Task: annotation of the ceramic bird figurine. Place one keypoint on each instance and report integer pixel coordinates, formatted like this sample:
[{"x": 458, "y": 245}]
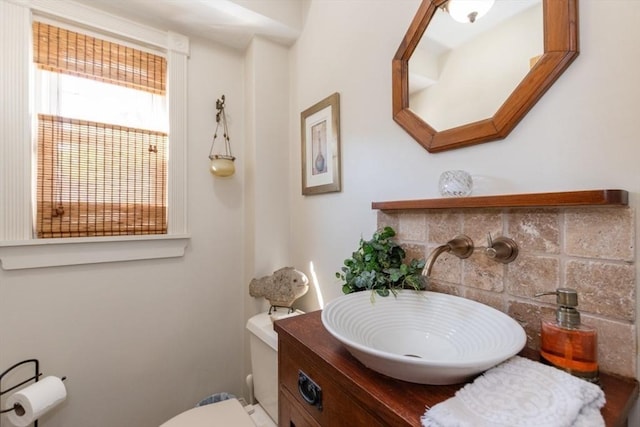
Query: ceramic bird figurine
[{"x": 281, "y": 288}]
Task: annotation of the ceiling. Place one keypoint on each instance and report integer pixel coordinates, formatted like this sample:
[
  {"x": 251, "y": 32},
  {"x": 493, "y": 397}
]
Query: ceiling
[
  {"x": 230, "y": 22},
  {"x": 235, "y": 22}
]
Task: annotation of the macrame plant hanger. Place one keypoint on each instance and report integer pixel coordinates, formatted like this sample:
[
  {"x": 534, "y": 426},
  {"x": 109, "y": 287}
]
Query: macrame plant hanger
[{"x": 221, "y": 164}]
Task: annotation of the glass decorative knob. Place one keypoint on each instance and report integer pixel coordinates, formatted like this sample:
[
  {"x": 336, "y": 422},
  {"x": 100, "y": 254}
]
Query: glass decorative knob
[{"x": 455, "y": 183}]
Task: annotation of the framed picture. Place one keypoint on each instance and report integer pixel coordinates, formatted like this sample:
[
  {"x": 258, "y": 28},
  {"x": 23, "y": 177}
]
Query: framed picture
[{"x": 320, "y": 125}]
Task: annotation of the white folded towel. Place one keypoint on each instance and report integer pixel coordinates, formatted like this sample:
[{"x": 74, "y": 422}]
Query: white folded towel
[{"x": 521, "y": 393}]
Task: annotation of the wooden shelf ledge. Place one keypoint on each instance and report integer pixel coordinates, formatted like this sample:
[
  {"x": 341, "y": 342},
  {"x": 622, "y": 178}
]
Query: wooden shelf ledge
[{"x": 532, "y": 200}]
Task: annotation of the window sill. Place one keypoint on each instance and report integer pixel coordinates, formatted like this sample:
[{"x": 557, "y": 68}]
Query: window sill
[{"x": 76, "y": 251}]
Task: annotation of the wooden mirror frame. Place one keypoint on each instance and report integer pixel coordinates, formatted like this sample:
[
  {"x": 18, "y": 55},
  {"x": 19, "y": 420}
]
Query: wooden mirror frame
[{"x": 560, "y": 19}]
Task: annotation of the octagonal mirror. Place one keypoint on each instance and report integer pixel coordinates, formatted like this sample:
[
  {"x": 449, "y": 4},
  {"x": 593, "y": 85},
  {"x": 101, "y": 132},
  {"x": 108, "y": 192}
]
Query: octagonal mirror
[{"x": 459, "y": 84}]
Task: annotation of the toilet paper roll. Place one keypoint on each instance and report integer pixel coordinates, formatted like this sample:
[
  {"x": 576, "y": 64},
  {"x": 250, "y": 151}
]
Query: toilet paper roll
[{"x": 35, "y": 400}]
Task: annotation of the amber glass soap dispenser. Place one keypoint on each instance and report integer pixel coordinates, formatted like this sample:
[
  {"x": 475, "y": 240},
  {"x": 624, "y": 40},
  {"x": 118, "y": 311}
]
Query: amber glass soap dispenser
[{"x": 565, "y": 342}]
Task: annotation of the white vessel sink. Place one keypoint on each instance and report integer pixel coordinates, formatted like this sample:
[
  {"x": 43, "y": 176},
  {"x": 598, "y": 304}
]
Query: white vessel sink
[{"x": 423, "y": 337}]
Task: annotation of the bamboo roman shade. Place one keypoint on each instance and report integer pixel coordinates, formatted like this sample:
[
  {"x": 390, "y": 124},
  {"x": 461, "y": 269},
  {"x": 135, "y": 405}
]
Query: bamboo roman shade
[
  {"x": 63, "y": 51},
  {"x": 98, "y": 179}
]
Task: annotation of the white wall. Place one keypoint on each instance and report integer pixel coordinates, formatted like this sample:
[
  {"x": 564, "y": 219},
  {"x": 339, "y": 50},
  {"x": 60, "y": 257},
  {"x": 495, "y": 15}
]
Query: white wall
[
  {"x": 142, "y": 341},
  {"x": 582, "y": 134},
  {"x": 266, "y": 191}
]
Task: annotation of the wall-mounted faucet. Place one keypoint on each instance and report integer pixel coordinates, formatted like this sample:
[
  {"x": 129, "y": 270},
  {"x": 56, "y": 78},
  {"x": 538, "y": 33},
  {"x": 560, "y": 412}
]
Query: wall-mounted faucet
[
  {"x": 502, "y": 250},
  {"x": 460, "y": 246}
]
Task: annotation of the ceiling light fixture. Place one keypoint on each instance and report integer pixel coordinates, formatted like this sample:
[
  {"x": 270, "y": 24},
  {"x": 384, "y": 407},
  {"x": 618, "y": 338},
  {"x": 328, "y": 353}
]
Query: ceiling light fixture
[{"x": 468, "y": 11}]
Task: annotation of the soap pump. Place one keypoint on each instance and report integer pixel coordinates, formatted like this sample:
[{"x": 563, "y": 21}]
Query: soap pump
[{"x": 565, "y": 342}]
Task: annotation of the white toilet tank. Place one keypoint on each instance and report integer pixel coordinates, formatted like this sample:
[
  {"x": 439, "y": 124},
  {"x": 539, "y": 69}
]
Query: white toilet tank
[{"x": 263, "y": 346}]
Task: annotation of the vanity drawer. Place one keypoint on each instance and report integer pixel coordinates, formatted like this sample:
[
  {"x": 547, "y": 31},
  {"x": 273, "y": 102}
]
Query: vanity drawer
[
  {"x": 327, "y": 405},
  {"x": 291, "y": 413}
]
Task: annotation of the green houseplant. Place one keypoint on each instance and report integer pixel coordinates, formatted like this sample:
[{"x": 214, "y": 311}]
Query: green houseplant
[{"x": 377, "y": 265}]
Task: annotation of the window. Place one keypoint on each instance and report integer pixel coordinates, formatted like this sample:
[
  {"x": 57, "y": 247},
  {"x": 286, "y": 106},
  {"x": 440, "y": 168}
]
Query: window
[
  {"x": 101, "y": 136},
  {"x": 19, "y": 245}
]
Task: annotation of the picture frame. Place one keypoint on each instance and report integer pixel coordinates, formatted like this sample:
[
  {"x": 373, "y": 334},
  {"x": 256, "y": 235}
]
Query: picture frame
[{"x": 321, "y": 163}]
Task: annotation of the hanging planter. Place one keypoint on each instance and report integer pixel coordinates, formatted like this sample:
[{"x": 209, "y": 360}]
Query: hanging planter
[{"x": 221, "y": 164}]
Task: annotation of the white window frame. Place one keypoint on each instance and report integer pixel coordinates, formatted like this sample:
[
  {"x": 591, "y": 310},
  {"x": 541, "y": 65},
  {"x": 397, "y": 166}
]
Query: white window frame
[{"x": 19, "y": 249}]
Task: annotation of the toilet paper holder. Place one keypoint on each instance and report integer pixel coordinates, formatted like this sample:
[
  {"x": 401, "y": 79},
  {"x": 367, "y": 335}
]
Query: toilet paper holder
[{"x": 35, "y": 377}]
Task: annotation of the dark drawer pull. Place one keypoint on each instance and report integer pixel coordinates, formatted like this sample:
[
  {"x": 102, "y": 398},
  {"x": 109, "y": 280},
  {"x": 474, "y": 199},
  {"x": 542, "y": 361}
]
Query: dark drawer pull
[{"x": 309, "y": 390}]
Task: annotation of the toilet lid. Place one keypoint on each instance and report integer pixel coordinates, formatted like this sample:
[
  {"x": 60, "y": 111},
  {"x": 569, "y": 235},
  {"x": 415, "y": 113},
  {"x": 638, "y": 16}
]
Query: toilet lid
[{"x": 225, "y": 413}]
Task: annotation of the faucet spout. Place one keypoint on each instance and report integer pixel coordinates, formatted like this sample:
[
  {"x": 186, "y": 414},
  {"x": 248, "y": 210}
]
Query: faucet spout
[
  {"x": 460, "y": 246},
  {"x": 433, "y": 256}
]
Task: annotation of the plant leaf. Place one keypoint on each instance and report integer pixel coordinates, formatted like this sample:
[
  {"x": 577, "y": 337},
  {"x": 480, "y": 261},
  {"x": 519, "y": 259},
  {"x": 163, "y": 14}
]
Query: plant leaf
[{"x": 378, "y": 265}]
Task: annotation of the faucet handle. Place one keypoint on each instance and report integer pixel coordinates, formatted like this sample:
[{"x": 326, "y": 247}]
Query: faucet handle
[
  {"x": 502, "y": 249},
  {"x": 461, "y": 246}
]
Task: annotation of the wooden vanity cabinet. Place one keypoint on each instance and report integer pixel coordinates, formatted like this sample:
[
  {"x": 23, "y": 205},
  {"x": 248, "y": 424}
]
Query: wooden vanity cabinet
[
  {"x": 353, "y": 395},
  {"x": 337, "y": 402}
]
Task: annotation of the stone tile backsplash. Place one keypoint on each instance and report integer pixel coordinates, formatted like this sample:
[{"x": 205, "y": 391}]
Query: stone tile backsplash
[{"x": 589, "y": 249}]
